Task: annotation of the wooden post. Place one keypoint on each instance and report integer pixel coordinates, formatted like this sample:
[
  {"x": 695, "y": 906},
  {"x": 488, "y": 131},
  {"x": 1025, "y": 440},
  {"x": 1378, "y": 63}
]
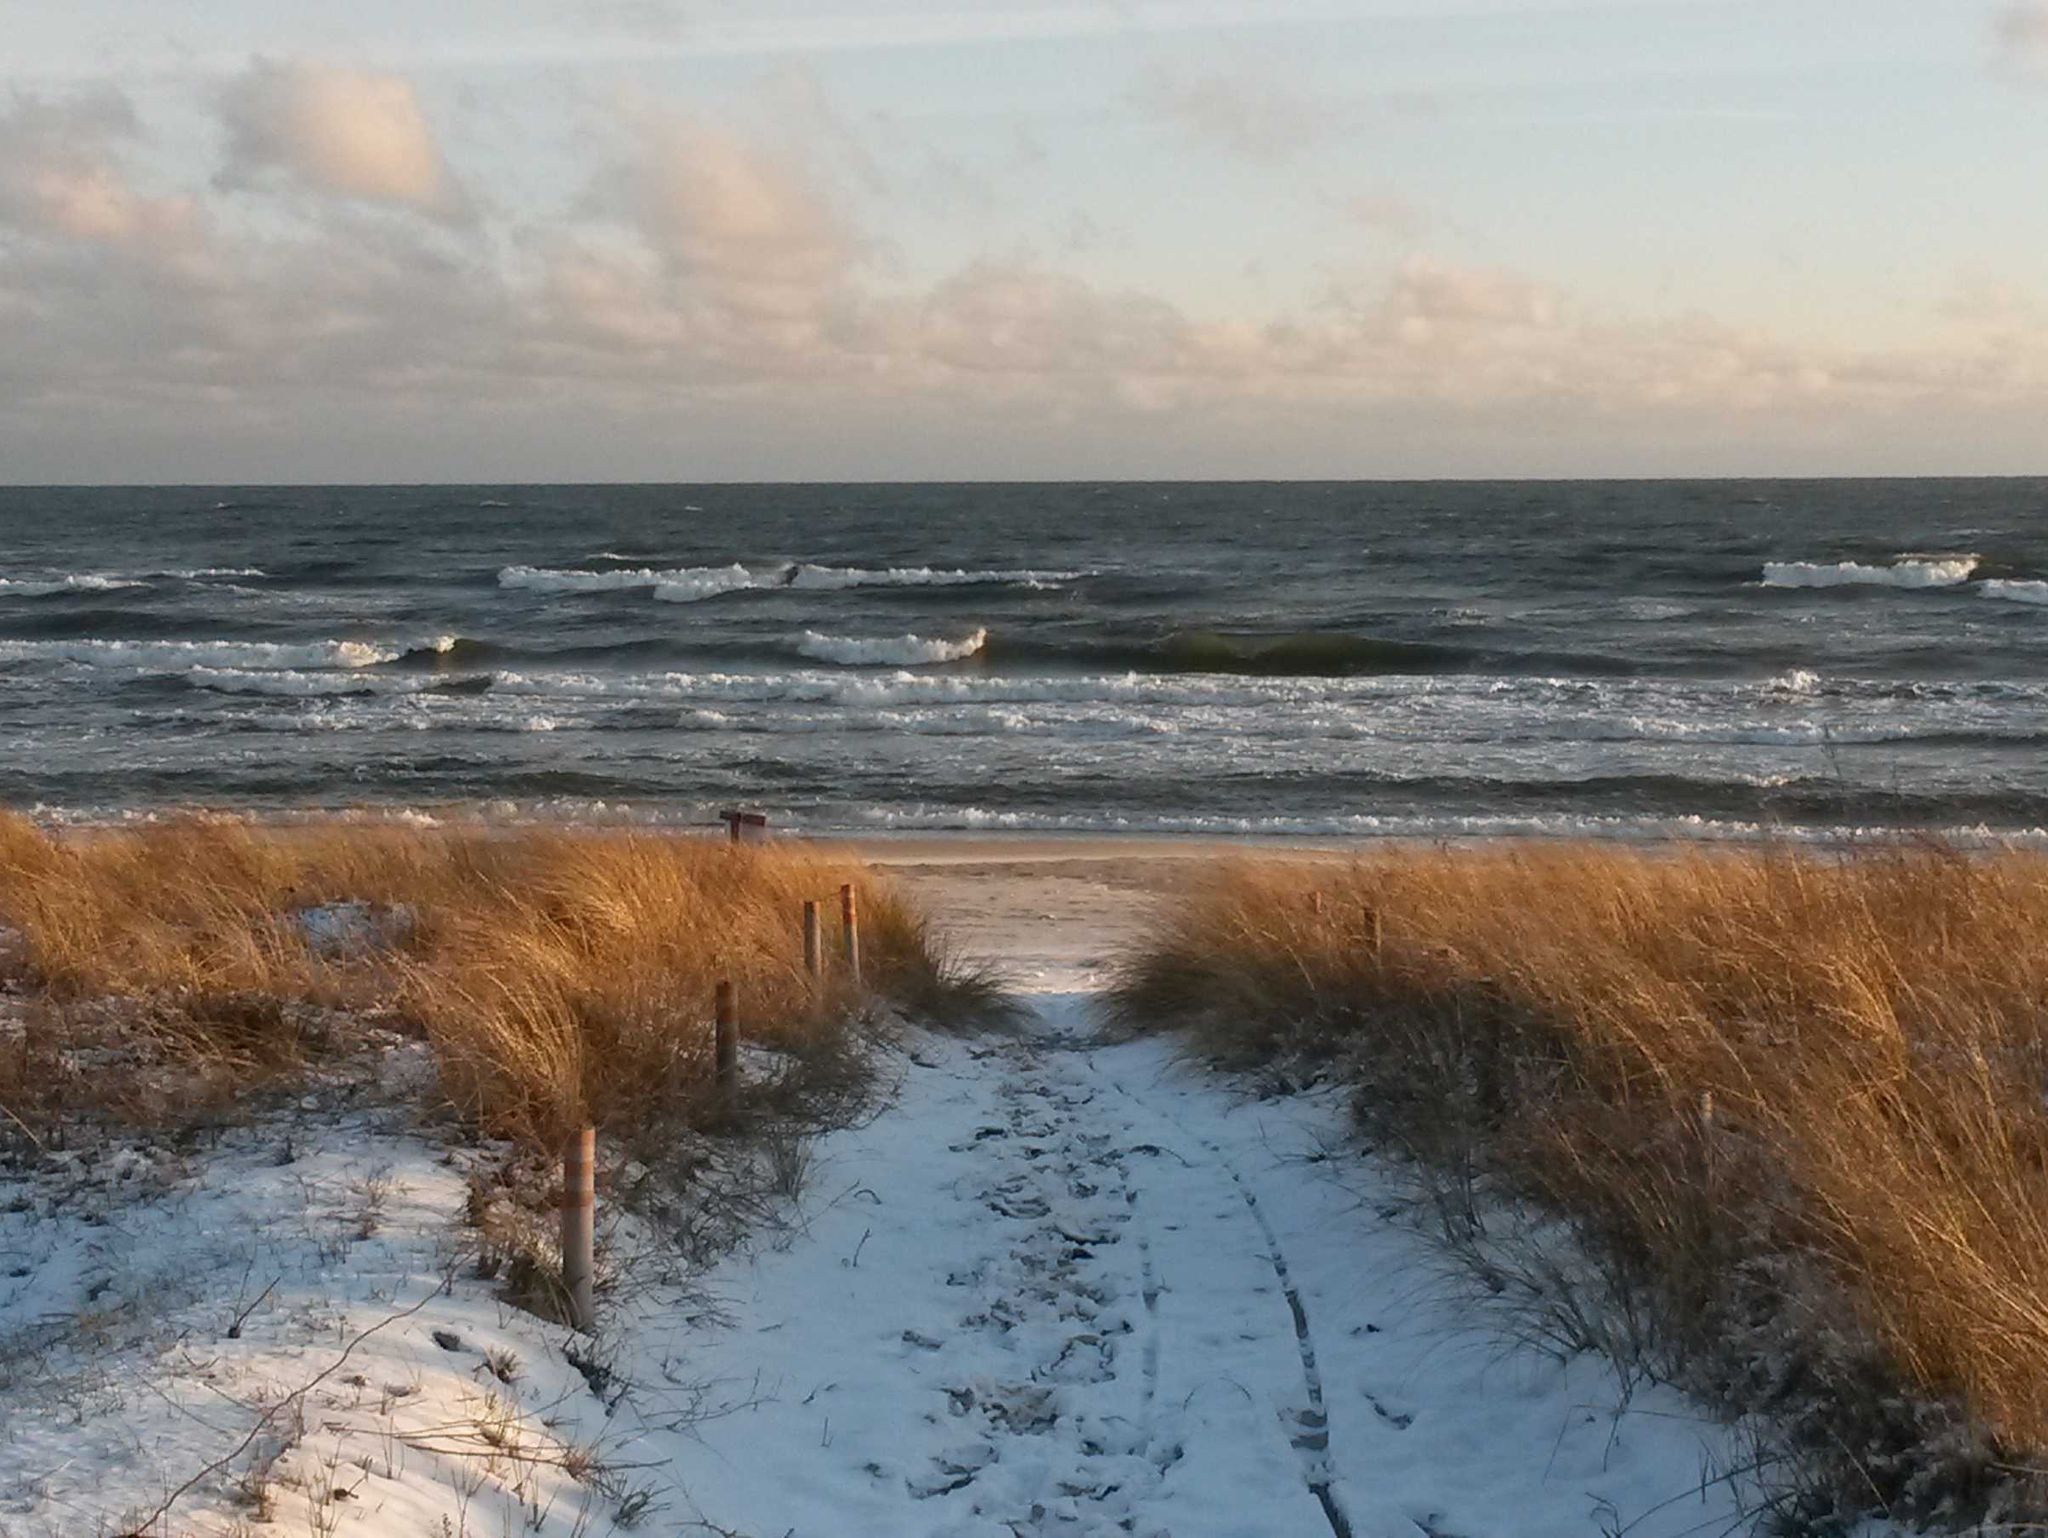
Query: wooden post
[
  {"x": 743, "y": 826},
  {"x": 849, "y": 925},
  {"x": 1315, "y": 902},
  {"x": 726, "y": 1044},
  {"x": 579, "y": 1227},
  {"x": 814, "y": 950}
]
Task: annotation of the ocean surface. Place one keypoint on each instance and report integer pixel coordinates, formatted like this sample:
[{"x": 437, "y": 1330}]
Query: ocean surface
[{"x": 1439, "y": 659}]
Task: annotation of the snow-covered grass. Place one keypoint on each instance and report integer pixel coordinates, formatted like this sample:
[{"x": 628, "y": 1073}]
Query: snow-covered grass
[
  {"x": 278, "y": 1111},
  {"x": 1769, "y": 1125},
  {"x": 284, "y": 1328}
]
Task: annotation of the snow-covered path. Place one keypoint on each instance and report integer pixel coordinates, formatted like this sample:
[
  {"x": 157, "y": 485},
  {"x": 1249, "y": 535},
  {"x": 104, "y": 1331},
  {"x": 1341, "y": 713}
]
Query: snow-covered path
[
  {"x": 1054, "y": 1286},
  {"x": 1063, "y": 1287}
]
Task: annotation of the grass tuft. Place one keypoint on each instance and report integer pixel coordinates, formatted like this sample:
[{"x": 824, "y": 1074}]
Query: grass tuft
[
  {"x": 559, "y": 977},
  {"x": 1789, "y": 1106}
]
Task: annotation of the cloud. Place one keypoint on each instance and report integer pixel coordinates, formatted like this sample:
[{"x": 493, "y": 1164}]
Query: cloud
[
  {"x": 2019, "y": 34},
  {"x": 1244, "y": 112},
  {"x": 341, "y": 132},
  {"x": 721, "y": 273},
  {"x": 749, "y": 226},
  {"x": 1429, "y": 296},
  {"x": 61, "y": 175}
]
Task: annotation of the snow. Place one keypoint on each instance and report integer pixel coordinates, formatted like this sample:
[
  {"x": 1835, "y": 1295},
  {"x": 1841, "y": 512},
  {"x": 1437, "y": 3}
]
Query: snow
[
  {"x": 1056, "y": 1291},
  {"x": 1056, "y": 1286},
  {"x": 304, "y": 1288}
]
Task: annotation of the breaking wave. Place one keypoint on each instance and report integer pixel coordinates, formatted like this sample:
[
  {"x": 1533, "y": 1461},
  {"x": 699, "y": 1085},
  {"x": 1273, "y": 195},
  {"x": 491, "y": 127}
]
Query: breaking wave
[
  {"x": 687, "y": 584},
  {"x": 1907, "y": 571},
  {"x": 85, "y": 582},
  {"x": 193, "y": 654},
  {"x": 888, "y": 651},
  {"x": 2014, "y": 591}
]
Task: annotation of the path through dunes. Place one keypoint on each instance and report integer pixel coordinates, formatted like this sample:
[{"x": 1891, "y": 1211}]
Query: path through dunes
[
  {"x": 1051, "y": 1286},
  {"x": 1067, "y": 1287}
]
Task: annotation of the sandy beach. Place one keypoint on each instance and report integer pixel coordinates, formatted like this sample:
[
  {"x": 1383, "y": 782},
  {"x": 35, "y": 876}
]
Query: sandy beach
[{"x": 1053, "y": 912}]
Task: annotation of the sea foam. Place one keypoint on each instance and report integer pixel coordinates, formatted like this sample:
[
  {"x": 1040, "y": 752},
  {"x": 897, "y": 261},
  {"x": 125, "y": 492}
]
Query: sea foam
[
  {"x": 888, "y": 651},
  {"x": 82, "y": 582},
  {"x": 2013, "y": 591},
  {"x": 195, "y": 654},
  {"x": 688, "y": 584},
  {"x": 1942, "y": 571}
]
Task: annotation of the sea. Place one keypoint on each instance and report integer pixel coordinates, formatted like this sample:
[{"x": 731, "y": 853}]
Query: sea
[{"x": 1715, "y": 659}]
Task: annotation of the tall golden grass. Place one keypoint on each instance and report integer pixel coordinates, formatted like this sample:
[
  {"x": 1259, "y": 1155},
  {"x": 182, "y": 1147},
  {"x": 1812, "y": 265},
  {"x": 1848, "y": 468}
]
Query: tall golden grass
[
  {"x": 1757, "y": 1083},
  {"x": 561, "y": 977}
]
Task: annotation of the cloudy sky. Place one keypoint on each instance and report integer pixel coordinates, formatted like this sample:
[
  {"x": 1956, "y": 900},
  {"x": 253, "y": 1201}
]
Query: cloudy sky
[{"x": 799, "y": 239}]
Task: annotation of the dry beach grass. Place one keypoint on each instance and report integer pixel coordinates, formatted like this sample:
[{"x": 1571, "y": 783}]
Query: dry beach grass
[
  {"x": 1790, "y": 1107},
  {"x": 559, "y": 977}
]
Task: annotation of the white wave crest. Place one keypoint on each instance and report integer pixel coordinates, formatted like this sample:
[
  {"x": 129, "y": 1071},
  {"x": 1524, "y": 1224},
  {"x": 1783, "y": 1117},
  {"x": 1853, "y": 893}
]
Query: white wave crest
[
  {"x": 2014, "y": 591},
  {"x": 81, "y": 582},
  {"x": 888, "y": 651},
  {"x": 829, "y": 578},
  {"x": 687, "y": 584},
  {"x": 1942, "y": 571},
  {"x": 691, "y": 584},
  {"x": 547, "y": 579},
  {"x": 197, "y": 654}
]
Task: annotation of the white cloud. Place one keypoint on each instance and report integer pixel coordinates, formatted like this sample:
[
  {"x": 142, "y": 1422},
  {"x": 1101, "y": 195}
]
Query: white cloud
[
  {"x": 342, "y": 132},
  {"x": 722, "y": 273},
  {"x": 1429, "y": 296},
  {"x": 749, "y": 227}
]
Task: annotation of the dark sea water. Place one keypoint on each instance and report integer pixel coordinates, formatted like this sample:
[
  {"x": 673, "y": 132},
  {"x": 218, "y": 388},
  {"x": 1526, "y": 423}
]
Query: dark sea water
[{"x": 1612, "y": 658}]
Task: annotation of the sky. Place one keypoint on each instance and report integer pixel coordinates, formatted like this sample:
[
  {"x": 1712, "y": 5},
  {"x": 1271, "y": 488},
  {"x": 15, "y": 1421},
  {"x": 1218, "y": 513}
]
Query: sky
[{"x": 666, "y": 240}]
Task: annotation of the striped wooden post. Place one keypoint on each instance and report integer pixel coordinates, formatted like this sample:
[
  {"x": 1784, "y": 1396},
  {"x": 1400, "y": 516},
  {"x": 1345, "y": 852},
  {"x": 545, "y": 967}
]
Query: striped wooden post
[
  {"x": 726, "y": 1044},
  {"x": 579, "y": 1227},
  {"x": 814, "y": 949}
]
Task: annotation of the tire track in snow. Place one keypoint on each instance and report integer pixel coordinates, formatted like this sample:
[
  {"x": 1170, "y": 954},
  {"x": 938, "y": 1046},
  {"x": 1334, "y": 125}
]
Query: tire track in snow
[
  {"x": 1309, "y": 1433},
  {"x": 1312, "y": 1435}
]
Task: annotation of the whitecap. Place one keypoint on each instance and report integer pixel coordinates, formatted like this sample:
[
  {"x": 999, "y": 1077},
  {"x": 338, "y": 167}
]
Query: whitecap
[
  {"x": 1923, "y": 571},
  {"x": 897, "y": 651},
  {"x": 196, "y": 654},
  {"x": 2015, "y": 591},
  {"x": 687, "y": 584},
  {"x": 80, "y": 582}
]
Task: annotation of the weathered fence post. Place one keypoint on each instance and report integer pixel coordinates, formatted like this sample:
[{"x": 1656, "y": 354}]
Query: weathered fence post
[
  {"x": 742, "y": 826},
  {"x": 849, "y": 924},
  {"x": 1315, "y": 903},
  {"x": 814, "y": 955},
  {"x": 1706, "y": 1121},
  {"x": 579, "y": 1227},
  {"x": 726, "y": 1045}
]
